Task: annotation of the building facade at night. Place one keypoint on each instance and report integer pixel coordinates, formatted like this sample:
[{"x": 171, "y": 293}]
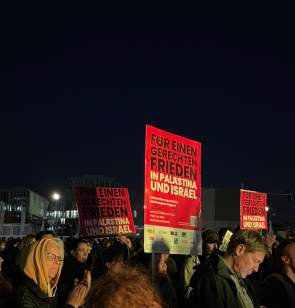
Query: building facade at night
[{"x": 17, "y": 197}]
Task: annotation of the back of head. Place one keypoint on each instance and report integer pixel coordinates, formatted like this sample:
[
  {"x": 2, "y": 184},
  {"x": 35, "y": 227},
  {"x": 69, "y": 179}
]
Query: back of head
[
  {"x": 251, "y": 239},
  {"x": 130, "y": 288},
  {"x": 44, "y": 234},
  {"x": 283, "y": 249},
  {"x": 111, "y": 254},
  {"x": 29, "y": 239}
]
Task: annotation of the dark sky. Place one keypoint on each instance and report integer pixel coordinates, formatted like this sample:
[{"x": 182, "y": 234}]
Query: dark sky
[{"x": 79, "y": 82}]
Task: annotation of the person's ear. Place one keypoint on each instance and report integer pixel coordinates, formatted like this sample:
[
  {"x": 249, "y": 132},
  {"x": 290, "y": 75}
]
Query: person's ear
[
  {"x": 285, "y": 259},
  {"x": 73, "y": 253},
  {"x": 108, "y": 265},
  {"x": 239, "y": 249}
]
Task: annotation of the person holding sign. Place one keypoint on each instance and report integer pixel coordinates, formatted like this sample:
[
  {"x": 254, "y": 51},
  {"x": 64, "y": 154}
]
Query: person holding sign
[{"x": 221, "y": 281}]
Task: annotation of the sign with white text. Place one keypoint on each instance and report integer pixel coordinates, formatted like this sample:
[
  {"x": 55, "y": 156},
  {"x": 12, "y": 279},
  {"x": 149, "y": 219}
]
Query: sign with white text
[
  {"x": 253, "y": 210},
  {"x": 104, "y": 211},
  {"x": 172, "y": 209}
]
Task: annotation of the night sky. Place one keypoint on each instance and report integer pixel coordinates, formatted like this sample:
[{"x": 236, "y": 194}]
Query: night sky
[{"x": 79, "y": 82}]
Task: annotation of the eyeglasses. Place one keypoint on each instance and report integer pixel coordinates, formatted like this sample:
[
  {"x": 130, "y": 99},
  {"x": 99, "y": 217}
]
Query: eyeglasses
[{"x": 52, "y": 257}]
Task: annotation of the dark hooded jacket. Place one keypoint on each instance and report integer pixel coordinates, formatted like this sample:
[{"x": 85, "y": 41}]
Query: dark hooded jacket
[
  {"x": 213, "y": 286},
  {"x": 29, "y": 295},
  {"x": 37, "y": 290}
]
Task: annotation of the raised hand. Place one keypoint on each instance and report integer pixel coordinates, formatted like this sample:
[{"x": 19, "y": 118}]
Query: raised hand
[{"x": 81, "y": 289}]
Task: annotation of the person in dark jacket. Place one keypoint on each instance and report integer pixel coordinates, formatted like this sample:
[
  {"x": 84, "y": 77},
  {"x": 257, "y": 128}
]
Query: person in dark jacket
[
  {"x": 75, "y": 264},
  {"x": 41, "y": 263},
  {"x": 278, "y": 290},
  {"x": 161, "y": 279},
  {"x": 210, "y": 240},
  {"x": 221, "y": 281}
]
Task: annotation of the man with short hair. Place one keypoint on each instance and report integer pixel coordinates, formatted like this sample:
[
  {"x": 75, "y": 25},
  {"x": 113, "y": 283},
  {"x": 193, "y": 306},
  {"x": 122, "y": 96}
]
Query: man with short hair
[
  {"x": 221, "y": 281},
  {"x": 278, "y": 290}
]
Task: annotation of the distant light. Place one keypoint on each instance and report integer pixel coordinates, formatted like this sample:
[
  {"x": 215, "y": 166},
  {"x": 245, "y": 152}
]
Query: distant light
[
  {"x": 267, "y": 208},
  {"x": 274, "y": 214},
  {"x": 56, "y": 196}
]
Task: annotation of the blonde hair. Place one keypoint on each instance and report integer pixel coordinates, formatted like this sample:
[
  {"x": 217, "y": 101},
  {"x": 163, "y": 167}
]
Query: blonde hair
[
  {"x": 59, "y": 243},
  {"x": 251, "y": 239},
  {"x": 33, "y": 263}
]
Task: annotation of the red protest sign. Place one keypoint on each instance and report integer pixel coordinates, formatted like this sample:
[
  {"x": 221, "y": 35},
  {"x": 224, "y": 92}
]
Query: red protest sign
[
  {"x": 253, "y": 210},
  {"x": 104, "y": 211},
  {"x": 172, "y": 191}
]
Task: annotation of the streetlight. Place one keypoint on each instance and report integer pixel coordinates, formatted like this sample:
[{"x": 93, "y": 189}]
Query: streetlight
[
  {"x": 56, "y": 196},
  {"x": 53, "y": 219}
]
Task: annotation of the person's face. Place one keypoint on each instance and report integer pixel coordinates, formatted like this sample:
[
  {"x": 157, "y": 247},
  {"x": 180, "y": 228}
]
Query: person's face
[
  {"x": 246, "y": 263},
  {"x": 160, "y": 265},
  {"x": 1, "y": 260},
  {"x": 52, "y": 266},
  {"x": 81, "y": 252},
  {"x": 128, "y": 242},
  {"x": 115, "y": 267},
  {"x": 210, "y": 247},
  {"x": 122, "y": 238},
  {"x": 2, "y": 246}
]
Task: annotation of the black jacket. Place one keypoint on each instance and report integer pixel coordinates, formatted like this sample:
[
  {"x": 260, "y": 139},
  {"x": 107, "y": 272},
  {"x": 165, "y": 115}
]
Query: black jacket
[
  {"x": 278, "y": 290},
  {"x": 213, "y": 286},
  {"x": 29, "y": 295},
  {"x": 72, "y": 269}
]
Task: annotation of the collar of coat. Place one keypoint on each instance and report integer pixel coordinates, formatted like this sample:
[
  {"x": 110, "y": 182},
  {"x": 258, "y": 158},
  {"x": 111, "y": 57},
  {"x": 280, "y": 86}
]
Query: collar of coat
[{"x": 30, "y": 284}]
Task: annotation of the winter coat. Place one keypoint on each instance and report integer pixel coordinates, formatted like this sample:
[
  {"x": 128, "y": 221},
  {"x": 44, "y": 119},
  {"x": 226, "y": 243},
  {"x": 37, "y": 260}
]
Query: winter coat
[
  {"x": 72, "y": 269},
  {"x": 29, "y": 295},
  {"x": 213, "y": 286}
]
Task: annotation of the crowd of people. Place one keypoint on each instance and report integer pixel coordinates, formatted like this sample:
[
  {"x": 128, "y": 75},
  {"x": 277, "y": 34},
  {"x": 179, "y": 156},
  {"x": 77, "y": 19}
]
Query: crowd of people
[{"x": 43, "y": 271}]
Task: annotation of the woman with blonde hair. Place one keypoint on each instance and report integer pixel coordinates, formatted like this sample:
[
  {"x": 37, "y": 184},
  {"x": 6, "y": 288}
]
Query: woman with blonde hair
[{"x": 41, "y": 264}]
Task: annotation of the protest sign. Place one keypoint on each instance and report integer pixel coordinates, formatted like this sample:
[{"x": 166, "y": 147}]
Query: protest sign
[
  {"x": 253, "y": 210},
  {"x": 104, "y": 211},
  {"x": 225, "y": 241},
  {"x": 172, "y": 209}
]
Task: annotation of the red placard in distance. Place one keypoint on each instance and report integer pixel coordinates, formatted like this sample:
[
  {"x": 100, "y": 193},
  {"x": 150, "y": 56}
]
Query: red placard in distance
[
  {"x": 104, "y": 211},
  {"x": 253, "y": 210}
]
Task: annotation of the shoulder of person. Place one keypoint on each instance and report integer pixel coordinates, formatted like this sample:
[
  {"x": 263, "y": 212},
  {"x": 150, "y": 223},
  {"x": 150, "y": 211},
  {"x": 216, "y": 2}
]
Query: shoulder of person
[{"x": 23, "y": 297}]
